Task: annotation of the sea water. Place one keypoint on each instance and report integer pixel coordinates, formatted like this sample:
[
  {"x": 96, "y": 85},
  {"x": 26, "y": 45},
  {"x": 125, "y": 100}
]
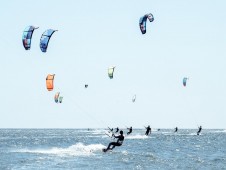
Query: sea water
[{"x": 82, "y": 149}]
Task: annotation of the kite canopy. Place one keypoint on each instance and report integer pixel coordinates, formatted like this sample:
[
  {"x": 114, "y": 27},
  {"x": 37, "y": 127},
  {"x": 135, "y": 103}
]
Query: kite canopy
[
  {"x": 56, "y": 97},
  {"x": 134, "y": 98},
  {"x": 185, "y": 81},
  {"x": 49, "y": 82},
  {"x": 86, "y": 85},
  {"x": 44, "y": 41},
  {"x": 111, "y": 71},
  {"x": 27, "y": 35},
  {"x": 143, "y": 21}
]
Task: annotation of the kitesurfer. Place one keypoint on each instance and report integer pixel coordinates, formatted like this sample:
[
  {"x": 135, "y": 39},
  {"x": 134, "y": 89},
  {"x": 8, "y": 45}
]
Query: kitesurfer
[
  {"x": 176, "y": 129},
  {"x": 111, "y": 129},
  {"x": 130, "y": 130},
  {"x": 118, "y": 143},
  {"x": 117, "y": 129},
  {"x": 148, "y": 130},
  {"x": 200, "y": 128}
]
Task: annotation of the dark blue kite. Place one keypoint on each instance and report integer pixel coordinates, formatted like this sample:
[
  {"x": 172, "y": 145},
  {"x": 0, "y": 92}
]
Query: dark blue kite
[
  {"x": 27, "y": 35},
  {"x": 143, "y": 21},
  {"x": 44, "y": 41}
]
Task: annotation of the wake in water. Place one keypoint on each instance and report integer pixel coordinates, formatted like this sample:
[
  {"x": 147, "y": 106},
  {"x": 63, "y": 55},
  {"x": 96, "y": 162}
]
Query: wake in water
[
  {"x": 98, "y": 131},
  {"x": 79, "y": 149},
  {"x": 219, "y": 131},
  {"x": 136, "y": 137}
]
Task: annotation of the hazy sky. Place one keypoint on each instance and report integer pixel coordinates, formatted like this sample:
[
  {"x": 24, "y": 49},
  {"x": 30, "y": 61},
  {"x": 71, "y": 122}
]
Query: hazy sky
[{"x": 186, "y": 39}]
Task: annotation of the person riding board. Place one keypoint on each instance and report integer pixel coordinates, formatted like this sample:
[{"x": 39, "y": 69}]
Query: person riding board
[
  {"x": 200, "y": 128},
  {"x": 176, "y": 129},
  {"x": 130, "y": 130},
  {"x": 118, "y": 143},
  {"x": 111, "y": 129},
  {"x": 117, "y": 129},
  {"x": 148, "y": 130}
]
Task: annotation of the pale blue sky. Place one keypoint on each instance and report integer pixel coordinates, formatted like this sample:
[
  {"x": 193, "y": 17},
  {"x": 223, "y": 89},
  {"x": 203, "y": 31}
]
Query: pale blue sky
[{"x": 186, "y": 39}]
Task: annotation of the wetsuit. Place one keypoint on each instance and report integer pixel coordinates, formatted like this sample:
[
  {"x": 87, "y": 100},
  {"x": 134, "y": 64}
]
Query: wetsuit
[
  {"x": 130, "y": 130},
  {"x": 200, "y": 128},
  {"x": 111, "y": 129},
  {"x": 118, "y": 143},
  {"x": 148, "y": 130},
  {"x": 117, "y": 129}
]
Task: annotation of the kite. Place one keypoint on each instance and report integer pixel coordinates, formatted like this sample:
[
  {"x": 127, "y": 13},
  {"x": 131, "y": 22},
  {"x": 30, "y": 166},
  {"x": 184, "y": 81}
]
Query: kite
[
  {"x": 27, "y": 36},
  {"x": 143, "y": 21},
  {"x": 49, "y": 82},
  {"x": 44, "y": 41}
]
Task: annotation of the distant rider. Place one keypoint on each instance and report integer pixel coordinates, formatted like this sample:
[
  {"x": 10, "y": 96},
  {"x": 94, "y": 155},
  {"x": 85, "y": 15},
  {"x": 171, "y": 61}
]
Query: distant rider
[
  {"x": 117, "y": 129},
  {"x": 111, "y": 129},
  {"x": 148, "y": 130},
  {"x": 118, "y": 143},
  {"x": 200, "y": 128},
  {"x": 130, "y": 130}
]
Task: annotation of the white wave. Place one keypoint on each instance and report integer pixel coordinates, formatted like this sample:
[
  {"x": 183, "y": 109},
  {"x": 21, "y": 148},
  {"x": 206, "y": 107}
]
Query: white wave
[
  {"x": 219, "y": 131},
  {"x": 167, "y": 132},
  {"x": 99, "y": 131},
  {"x": 125, "y": 153},
  {"x": 193, "y": 134},
  {"x": 79, "y": 149},
  {"x": 94, "y": 136},
  {"x": 136, "y": 137}
]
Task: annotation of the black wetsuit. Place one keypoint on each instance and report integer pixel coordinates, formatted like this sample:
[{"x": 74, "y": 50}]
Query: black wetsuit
[
  {"x": 176, "y": 129},
  {"x": 148, "y": 130},
  {"x": 200, "y": 128},
  {"x": 117, "y": 129},
  {"x": 130, "y": 130},
  {"x": 111, "y": 129},
  {"x": 118, "y": 143}
]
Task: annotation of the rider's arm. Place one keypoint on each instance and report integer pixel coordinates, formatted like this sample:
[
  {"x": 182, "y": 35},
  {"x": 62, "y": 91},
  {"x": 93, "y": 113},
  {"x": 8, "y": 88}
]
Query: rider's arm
[{"x": 116, "y": 136}]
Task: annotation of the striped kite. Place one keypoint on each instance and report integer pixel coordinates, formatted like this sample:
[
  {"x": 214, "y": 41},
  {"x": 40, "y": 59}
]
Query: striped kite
[
  {"x": 143, "y": 21},
  {"x": 27, "y": 36},
  {"x": 44, "y": 41},
  {"x": 49, "y": 82}
]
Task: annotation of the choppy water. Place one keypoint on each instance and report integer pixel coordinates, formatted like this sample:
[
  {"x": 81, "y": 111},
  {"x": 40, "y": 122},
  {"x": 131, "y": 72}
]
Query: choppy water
[{"x": 82, "y": 149}]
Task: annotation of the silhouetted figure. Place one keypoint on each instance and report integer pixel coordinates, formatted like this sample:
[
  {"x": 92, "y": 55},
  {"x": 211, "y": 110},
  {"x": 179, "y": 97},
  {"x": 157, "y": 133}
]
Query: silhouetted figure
[
  {"x": 200, "y": 128},
  {"x": 111, "y": 129},
  {"x": 86, "y": 85},
  {"x": 118, "y": 143},
  {"x": 117, "y": 129},
  {"x": 130, "y": 130},
  {"x": 148, "y": 130},
  {"x": 176, "y": 129}
]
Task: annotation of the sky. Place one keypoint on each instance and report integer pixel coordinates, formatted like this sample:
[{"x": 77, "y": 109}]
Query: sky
[{"x": 186, "y": 39}]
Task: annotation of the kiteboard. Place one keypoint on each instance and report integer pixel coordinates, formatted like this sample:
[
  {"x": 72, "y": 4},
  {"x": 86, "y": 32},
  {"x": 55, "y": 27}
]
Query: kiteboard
[{"x": 105, "y": 150}]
